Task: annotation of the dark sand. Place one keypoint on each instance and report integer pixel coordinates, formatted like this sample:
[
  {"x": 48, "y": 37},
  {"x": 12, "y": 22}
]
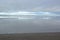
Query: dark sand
[{"x": 31, "y": 36}]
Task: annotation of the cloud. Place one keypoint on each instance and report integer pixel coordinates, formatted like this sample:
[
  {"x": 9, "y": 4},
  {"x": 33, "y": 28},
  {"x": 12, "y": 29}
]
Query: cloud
[
  {"x": 17, "y": 13},
  {"x": 40, "y": 22},
  {"x": 47, "y": 9},
  {"x": 29, "y": 15},
  {"x": 47, "y": 21},
  {"x": 29, "y": 5}
]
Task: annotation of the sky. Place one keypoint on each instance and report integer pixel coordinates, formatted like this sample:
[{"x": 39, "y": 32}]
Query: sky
[
  {"x": 29, "y": 16},
  {"x": 30, "y": 5}
]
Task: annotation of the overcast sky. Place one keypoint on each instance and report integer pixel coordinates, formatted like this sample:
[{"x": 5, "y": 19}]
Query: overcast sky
[
  {"x": 31, "y": 16},
  {"x": 30, "y": 23},
  {"x": 30, "y": 5}
]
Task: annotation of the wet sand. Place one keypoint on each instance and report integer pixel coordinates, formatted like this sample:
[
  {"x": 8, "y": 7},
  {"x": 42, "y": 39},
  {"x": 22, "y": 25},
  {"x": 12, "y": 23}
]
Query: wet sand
[{"x": 31, "y": 36}]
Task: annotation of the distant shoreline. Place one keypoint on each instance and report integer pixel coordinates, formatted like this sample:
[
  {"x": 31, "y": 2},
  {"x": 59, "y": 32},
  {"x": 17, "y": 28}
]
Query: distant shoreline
[{"x": 32, "y": 33}]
